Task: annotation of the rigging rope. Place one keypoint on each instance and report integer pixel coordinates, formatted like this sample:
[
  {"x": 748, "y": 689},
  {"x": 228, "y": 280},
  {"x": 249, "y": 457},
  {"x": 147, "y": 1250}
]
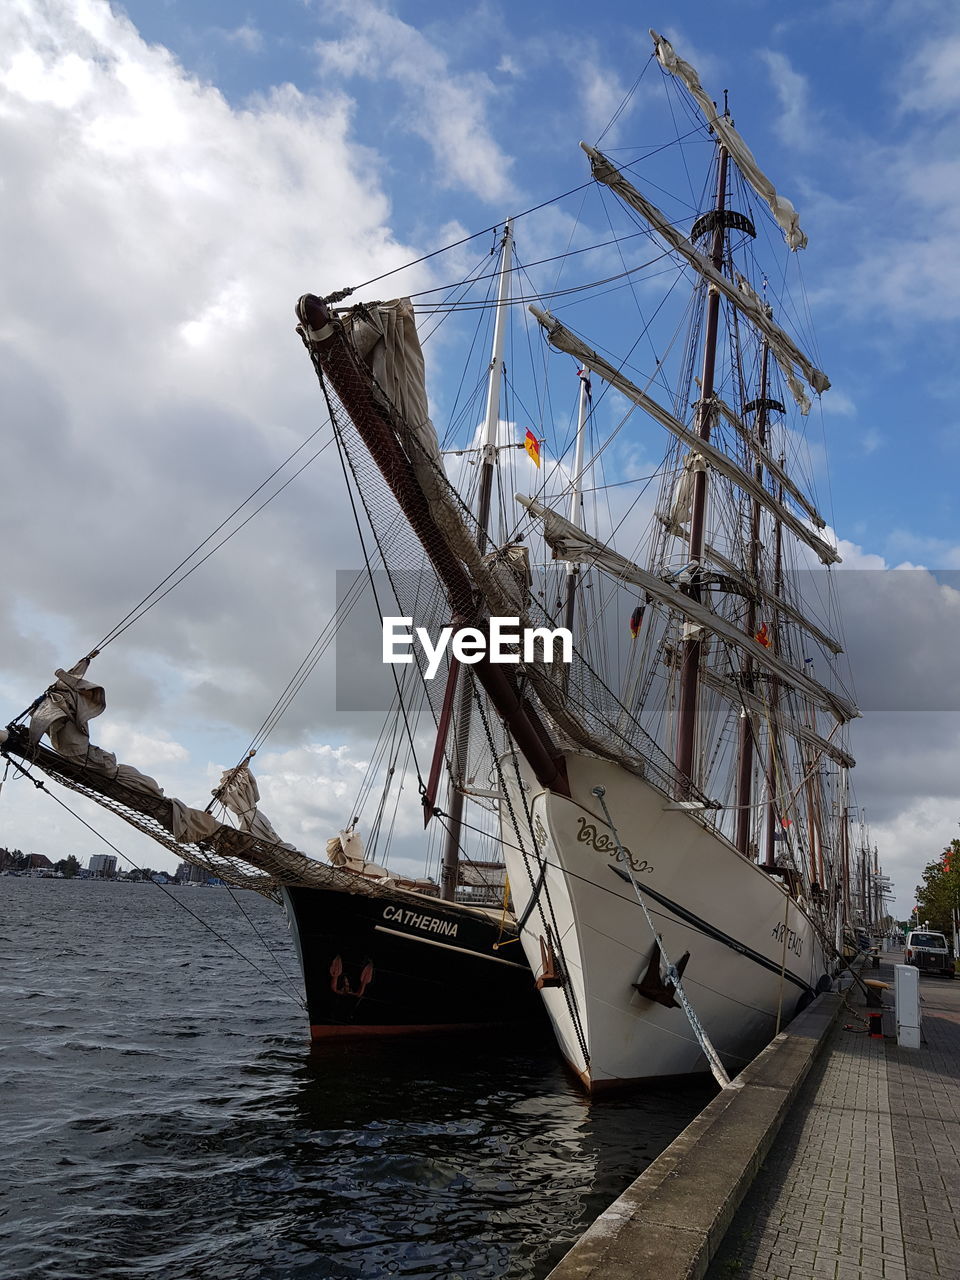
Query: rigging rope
[
  {"x": 455, "y": 244},
  {"x": 143, "y": 607}
]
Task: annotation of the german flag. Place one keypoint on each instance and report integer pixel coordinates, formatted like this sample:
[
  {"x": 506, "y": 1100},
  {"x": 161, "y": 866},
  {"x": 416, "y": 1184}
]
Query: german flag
[{"x": 532, "y": 446}]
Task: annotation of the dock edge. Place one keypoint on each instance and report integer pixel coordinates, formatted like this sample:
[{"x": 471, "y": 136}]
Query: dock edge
[{"x": 670, "y": 1222}]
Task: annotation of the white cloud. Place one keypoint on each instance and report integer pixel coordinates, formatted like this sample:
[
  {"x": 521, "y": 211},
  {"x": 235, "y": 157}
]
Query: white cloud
[
  {"x": 151, "y": 377},
  {"x": 838, "y": 403},
  {"x": 917, "y": 832},
  {"x": 447, "y": 105},
  {"x": 148, "y": 751},
  {"x": 795, "y": 124},
  {"x": 247, "y": 36},
  {"x": 870, "y": 442},
  {"x": 931, "y": 79},
  {"x": 602, "y": 95}
]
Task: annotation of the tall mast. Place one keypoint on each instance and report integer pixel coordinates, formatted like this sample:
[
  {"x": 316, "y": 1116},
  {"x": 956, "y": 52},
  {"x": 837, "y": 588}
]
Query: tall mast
[
  {"x": 845, "y": 847},
  {"x": 745, "y": 764},
  {"x": 488, "y": 461},
  {"x": 488, "y": 448},
  {"x": 773, "y": 766},
  {"x": 573, "y": 570},
  {"x": 693, "y": 645}
]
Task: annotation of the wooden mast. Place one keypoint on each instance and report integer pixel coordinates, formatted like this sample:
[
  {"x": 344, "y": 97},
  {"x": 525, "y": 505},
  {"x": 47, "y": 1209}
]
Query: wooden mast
[
  {"x": 584, "y": 406},
  {"x": 745, "y": 762},
  {"x": 773, "y": 765},
  {"x": 845, "y": 848},
  {"x": 693, "y": 645},
  {"x": 488, "y": 457}
]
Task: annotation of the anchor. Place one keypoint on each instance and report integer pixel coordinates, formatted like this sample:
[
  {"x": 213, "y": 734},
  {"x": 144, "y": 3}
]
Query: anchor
[
  {"x": 653, "y": 987},
  {"x": 550, "y": 975},
  {"x": 340, "y": 983}
]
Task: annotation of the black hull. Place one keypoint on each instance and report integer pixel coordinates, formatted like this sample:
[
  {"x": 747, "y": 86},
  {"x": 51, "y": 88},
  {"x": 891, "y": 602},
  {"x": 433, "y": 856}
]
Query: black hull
[{"x": 401, "y": 963}]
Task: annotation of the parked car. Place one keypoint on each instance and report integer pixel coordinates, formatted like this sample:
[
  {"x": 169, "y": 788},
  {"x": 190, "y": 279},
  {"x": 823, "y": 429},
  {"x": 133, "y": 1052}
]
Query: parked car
[{"x": 929, "y": 952}]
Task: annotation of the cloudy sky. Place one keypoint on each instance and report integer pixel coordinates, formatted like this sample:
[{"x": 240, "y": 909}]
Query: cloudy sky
[{"x": 175, "y": 175}]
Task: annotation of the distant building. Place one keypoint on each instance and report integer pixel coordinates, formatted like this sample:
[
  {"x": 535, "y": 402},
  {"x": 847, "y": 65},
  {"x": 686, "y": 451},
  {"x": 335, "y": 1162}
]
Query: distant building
[
  {"x": 187, "y": 873},
  {"x": 102, "y": 866},
  {"x": 15, "y": 860}
]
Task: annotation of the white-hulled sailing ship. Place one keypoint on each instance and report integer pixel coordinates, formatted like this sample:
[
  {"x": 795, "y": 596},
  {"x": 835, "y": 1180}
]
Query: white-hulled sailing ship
[
  {"x": 673, "y": 815},
  {"x": 676, "y": 862}
]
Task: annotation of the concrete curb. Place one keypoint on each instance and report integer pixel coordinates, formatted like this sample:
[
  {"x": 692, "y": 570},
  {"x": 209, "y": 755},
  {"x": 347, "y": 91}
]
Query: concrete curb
[{"x": 670, "y": 1222}]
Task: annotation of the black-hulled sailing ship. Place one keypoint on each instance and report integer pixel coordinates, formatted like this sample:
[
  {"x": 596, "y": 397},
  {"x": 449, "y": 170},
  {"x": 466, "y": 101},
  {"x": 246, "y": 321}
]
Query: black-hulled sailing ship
[
  {"x": 381, "y": 953},
  {"x": 672, "y": 816}
]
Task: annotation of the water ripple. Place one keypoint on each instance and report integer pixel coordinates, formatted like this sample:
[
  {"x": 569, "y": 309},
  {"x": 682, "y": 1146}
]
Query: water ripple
[{"x": 165, "y": 1117}]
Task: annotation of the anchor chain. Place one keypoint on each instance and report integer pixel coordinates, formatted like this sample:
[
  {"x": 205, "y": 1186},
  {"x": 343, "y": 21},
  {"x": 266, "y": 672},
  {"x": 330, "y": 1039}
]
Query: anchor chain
[{"x": 673, "y": 974}]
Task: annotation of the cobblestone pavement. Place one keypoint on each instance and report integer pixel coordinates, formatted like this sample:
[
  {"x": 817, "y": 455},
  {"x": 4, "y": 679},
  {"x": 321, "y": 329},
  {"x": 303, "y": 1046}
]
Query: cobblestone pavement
[{"x": 863, "y": 1182}]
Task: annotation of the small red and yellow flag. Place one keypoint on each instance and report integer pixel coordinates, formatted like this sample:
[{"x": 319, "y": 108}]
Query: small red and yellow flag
[
  {"x": 763, "y": 636},
  {"x": 532, "y": 446}
]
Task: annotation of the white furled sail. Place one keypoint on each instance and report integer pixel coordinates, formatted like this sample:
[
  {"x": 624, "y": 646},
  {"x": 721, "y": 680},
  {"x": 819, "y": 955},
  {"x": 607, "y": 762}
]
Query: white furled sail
[
  {"x": 757, "y": 706},
  {"x": 64, "y": 714},
  {"x": 561, "y": 337},
  {"x": 571, "y": 543},
  {"x": 750, "y": 587},
  {"x": 781, "y": 208},
  {"x": 784, "y": 348},
  {"x": 239, "y": 792},
  {"x": 770, "y": 463}
]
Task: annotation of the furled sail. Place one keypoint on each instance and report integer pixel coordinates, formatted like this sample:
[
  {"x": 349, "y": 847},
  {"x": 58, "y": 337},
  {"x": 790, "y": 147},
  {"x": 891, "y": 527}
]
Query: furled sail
[
  {"x": 756, "y": 705},
  {"x": 252, "y": 857},
  {"x": 571, "y": 543},
  {"x": 781, "y": 208},
  {"x": 238, "y": 790},
  {"x": 770, "y": 463},
  {"x": 64, "y": 714},
  {"x": 561, "y": 337},
  {"x": 785, "y": 350},
  {"x": 750, "y": 587}
]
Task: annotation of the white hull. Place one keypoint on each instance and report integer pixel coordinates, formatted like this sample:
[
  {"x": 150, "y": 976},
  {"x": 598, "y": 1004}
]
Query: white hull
[{"x": 753, "y": 950}]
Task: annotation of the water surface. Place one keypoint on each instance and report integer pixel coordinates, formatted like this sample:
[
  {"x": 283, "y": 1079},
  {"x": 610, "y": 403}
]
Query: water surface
[{"x": 163, "y": 1114}]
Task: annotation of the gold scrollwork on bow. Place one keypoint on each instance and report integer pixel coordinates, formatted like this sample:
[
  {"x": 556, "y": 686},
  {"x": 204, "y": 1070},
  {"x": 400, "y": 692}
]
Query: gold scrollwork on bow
[{"x": 599, "y": 840}]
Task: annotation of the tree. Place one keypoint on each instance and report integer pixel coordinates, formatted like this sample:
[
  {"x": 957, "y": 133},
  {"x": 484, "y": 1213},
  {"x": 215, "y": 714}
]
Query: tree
[
  {"x": 939, "y": 895},
  {"x": 67, "y": 867}
]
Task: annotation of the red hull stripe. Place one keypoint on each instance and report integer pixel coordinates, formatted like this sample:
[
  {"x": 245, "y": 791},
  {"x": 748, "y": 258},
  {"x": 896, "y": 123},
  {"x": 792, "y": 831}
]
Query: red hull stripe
[{"x": 318, "y": 1031}]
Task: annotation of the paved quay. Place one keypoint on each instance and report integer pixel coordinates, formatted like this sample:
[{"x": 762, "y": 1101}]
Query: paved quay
[
  {"x": 837, "y": 1157},
  {"x": 863, "y": 1182}
]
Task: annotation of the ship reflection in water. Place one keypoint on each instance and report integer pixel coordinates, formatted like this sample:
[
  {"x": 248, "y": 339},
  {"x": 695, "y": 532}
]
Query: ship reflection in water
[
  {"x": 459, "y": 1161},
  {"x": 165, "y": 1115}
]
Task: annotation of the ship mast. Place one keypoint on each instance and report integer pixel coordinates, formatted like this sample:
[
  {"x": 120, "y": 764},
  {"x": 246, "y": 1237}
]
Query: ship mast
[
  {"x": 584, "y": 406},
  {"x": 774, "y": 762},
  {"x": 488, "y": 448},
  {"x": 488, "y": 458},
  {"x": 693, "y": 645},
  {"x": 745, "y": 765}
]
